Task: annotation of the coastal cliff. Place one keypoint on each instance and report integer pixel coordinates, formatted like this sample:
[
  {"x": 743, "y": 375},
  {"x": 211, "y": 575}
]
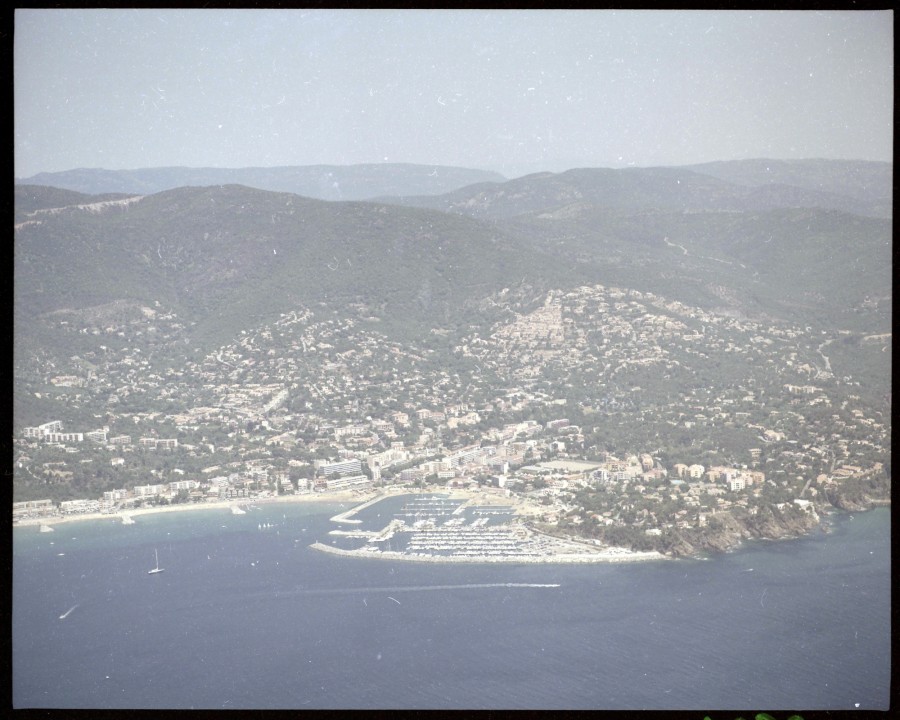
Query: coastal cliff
[
  {"x": 723, "y": 528},
  {"x": 726, "y": 531},
  {"x": 861, "y": 493}
]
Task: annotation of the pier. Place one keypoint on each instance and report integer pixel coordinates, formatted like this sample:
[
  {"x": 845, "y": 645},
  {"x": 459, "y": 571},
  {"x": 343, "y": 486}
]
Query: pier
[{"x": 347, "y": 516}]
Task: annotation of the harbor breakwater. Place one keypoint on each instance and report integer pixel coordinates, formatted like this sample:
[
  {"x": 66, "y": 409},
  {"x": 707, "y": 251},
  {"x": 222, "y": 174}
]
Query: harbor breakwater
[{"x": 614, "y": 556}]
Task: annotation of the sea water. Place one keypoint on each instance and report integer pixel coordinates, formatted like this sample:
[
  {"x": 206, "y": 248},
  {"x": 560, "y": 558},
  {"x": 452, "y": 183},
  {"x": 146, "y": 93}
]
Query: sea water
[{"x": 246, "y": 615}]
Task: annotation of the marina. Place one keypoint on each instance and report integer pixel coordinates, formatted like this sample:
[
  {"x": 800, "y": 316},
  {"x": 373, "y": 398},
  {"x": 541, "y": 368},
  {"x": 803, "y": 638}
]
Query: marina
[{"x": 440, "y": 529}]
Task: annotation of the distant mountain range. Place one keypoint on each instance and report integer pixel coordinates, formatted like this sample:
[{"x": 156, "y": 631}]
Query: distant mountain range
[
  {"x": 324, "y": 182},
  {"x": 776, "y": 240},
  {"x": 862, "y": 188},
  {"x": 869, "y": 183}
]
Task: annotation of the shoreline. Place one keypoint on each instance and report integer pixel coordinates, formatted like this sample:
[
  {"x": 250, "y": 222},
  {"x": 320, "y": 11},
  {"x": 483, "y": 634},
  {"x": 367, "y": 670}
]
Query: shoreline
[
  {"x": 360, "y": 499},
  {"x": 118, "y": 516}
]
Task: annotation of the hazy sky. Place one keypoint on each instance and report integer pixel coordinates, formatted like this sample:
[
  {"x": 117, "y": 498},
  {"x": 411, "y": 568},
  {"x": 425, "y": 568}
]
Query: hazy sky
[{"x": 514, "y": 91}]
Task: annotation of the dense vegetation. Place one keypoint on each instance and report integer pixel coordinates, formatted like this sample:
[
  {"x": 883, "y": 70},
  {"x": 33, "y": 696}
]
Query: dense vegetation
[{"x": 417, "y": 295}]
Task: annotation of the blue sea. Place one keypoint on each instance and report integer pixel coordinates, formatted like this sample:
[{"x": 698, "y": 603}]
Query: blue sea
[{"x": 248, "y": 616}]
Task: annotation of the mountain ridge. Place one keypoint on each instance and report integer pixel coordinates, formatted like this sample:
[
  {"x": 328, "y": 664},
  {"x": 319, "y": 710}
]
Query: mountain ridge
[
  {"x": 685, "y": 188},
  {"x": 223, "y": 255},
  {"x": 254, "y": 251},
  {"x": 323, "y": 182}
]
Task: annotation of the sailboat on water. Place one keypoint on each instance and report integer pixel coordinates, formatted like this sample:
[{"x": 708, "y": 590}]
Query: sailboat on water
[{"x": 157, "y": 569}]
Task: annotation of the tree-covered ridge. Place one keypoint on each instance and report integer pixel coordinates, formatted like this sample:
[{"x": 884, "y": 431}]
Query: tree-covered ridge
[
  {"x": 799, "y": 265},
  {"x": 859, "y": 188},
  {"x": 227, "y": 256},
  {"x": 324, "y": 182}
]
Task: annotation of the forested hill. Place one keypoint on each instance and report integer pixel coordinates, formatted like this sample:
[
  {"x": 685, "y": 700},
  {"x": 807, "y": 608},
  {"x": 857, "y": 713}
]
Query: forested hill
[
  {"x": 324, "y": 182},
  {"x": 861, "y": 188},
  {"x": 228, "y": 256}
]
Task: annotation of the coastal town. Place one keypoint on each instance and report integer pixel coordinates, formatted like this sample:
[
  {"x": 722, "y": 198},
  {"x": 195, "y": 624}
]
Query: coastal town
[{"x": 612, "y": 416}]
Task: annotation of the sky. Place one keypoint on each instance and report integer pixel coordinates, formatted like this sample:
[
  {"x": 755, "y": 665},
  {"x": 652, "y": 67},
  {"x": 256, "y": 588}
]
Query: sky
[{"x": 512, "y": 91}]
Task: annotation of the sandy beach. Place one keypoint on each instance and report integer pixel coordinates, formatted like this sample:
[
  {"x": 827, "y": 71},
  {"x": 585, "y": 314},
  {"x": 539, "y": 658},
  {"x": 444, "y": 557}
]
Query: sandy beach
[
  {"x": 338, "y": 497},
  {"x": 357, "y": 498}
]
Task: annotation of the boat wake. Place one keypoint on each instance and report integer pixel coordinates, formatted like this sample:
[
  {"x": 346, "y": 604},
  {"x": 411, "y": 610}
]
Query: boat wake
[
  {"x": 67, "y": 612},
  {"x": 419, "y": 588}
]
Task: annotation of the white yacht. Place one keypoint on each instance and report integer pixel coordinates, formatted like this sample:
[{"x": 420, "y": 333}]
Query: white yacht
[{"x": 157, "y": 569}]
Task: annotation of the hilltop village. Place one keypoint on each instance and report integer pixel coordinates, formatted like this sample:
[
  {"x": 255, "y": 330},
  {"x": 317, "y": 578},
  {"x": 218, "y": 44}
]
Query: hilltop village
[{"x": 607, "y": 414}]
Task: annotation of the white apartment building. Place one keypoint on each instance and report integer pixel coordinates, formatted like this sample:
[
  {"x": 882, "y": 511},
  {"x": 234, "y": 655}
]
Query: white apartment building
[
  {"x": 353, "y": 466},
  {"x": 110, "y": 497},
  {"x": 144, "y": 491},
  {"x": 345, "y": 482},
  {"x": 178, "y": 485},
  {"x": 39, "y": 431},
  {"x": 70, "y": 507},
  {"x": 61, "y": 437},
  {"x": 32, "y": 507},
  {"x": 98, "y": 436},
  {"x": 467, "y": 455}
]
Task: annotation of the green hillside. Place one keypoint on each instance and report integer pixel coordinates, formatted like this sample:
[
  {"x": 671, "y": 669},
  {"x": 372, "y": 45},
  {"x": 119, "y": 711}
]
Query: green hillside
[
  {"x": 733, "y": 187},
  {"x": 223, "y": 257},
  {"x": 804, "y": 265},
  {"x": 31, "y": 199}
]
